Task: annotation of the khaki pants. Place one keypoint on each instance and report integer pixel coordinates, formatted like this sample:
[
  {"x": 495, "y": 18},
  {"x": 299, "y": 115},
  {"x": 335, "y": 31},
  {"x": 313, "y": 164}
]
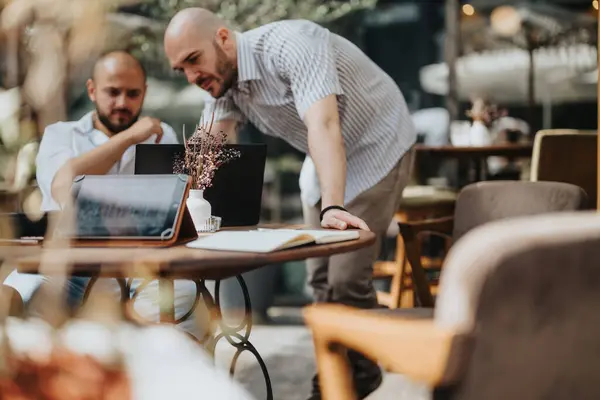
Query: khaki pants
[{"x": 348, "y": 278}]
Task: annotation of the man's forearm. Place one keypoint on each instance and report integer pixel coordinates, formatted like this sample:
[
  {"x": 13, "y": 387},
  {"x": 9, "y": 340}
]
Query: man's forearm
[
  {"x": 329, "y": 155},
  {"x": 229, "y": 127},
  {"x": 95, "y": 162},
  {"x": 101, "y": 159}
]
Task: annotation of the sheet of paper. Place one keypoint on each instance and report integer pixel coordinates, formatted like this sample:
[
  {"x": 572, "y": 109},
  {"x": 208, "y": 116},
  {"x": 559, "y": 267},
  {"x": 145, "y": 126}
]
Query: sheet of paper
[
  {"x": 323, "y": 235},
  {"x": 246, "y": 241}
]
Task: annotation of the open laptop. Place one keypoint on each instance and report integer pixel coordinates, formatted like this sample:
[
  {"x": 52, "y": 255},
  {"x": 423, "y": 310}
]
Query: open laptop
[
  {"x": 236, "y": 193},
  {"x": 127, "y": 211}
]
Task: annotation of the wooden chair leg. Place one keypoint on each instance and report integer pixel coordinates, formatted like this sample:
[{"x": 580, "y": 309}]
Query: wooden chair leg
[
  {"x": 335, "y": 377},
  {"x": 398, "y": 282},
  {"x": 407, "y": 296},
  {"x": 402, "y": 293}
]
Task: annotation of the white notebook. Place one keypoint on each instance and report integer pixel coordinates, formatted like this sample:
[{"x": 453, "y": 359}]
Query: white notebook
[{"x": 268, "y": 240}]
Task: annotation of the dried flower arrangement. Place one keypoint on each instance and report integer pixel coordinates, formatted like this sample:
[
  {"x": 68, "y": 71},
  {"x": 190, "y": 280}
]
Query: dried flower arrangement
[{"x": 205, "y": 153}]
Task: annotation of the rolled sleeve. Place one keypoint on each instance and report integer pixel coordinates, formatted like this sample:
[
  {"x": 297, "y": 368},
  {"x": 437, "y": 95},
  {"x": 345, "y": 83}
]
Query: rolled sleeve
[
  {"x": 54, "y": 152},
  {"x": 307, "y": 61},
  {"x": 223, "y": 108}
]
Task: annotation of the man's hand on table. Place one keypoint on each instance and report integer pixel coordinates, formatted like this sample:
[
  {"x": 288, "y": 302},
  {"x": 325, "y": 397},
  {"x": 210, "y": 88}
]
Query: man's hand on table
[{"x": 339, "y": 219}]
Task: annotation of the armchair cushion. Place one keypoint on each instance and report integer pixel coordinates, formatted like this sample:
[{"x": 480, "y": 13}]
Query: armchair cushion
[
  {"x": 484, "y": 202},
  {"x": 470, "y": 261},
  {"x": 533, "y": 306}
]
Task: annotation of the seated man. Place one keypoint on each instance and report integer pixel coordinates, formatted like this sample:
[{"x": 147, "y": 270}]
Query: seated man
[{"x": 102, "y": 142}]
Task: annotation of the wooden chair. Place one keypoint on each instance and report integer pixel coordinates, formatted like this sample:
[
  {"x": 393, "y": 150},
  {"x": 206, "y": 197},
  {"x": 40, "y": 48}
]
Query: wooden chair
[
  {"x": 516, "y": 318},
  {"x": 567, "y": 155},
  {"x": 418, "y": 203},
  {"x": 478, "y": 204}
]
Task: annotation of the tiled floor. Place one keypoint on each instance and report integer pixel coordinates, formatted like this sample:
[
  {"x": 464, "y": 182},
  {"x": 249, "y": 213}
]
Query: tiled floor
[{"x": 289, "y": 355}]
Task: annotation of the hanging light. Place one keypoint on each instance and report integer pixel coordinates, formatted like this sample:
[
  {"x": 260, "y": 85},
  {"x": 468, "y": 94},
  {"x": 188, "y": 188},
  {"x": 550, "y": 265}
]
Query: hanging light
[
  {"x": 468, "y": 10},
  {"x": 506, "y": 20}
]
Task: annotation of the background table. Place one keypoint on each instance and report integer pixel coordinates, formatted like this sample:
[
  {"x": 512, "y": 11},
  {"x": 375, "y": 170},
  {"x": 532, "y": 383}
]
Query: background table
[
  {"x": 469, "y": 152},
  {"x": 181, "y": 262},
  {"x": 477, "y": 155}
]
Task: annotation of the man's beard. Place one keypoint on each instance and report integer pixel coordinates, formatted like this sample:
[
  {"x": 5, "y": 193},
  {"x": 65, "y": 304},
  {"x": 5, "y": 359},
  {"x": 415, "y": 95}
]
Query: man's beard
[
  {"x": 115, "y": 128},
  {"x": 226, "y": 70}
]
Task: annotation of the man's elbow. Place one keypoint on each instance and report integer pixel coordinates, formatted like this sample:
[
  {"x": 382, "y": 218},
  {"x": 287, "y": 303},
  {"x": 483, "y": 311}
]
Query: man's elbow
[
  {"x": 331, "y": 126},
  {"x": 61, "y": 184}
]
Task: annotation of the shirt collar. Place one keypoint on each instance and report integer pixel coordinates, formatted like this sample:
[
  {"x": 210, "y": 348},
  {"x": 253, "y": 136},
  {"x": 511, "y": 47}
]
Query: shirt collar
[
  {"x": 85, "y": 126},
  {"x": 86, "y": 123},
  {"x": 247, "y": 67}
]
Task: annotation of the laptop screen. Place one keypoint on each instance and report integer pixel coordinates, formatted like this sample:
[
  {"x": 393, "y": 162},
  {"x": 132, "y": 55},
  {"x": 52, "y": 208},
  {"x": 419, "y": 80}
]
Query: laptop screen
[
  {"x": 126, "y": 206},
  {"x": 236, "y": 192}
]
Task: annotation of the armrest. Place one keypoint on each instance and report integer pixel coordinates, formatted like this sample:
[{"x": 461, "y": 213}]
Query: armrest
[
  {"x": 409, "y": 232},
  {"x": 442, "y": 226},
  {"x": 416, "y": 348}
]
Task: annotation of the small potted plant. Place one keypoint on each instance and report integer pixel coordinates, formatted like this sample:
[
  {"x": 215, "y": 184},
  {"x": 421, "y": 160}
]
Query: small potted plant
[
  {"x": 483, "y": 113},
  {"x": 205, "y": 153}
]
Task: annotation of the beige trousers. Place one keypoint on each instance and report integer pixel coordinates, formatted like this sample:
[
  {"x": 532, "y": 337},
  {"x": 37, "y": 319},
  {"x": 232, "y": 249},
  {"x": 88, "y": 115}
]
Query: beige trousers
[{"x": 348, "y": 278}]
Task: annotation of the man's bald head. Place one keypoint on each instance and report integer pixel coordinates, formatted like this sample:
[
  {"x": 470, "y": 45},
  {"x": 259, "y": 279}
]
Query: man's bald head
[
  {"x": 198, "y": 43},
  {"x": 117, "y": 88},
  {"x": 117, "y": 61},
  {"x": 195, "y": 22}
]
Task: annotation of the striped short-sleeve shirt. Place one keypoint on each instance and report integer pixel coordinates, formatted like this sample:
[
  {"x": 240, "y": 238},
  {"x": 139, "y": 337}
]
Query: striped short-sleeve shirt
[{"x": 285, "y": 66}]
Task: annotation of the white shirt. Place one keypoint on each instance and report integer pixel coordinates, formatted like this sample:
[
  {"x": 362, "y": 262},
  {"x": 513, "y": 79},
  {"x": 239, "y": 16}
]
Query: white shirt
[{"x": 63, "y": 141}]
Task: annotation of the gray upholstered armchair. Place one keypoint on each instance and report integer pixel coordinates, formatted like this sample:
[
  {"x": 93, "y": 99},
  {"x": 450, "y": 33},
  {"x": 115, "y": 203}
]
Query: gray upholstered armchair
[
  {"x": 516, "y": 318},
  {"x": 478, "y": 204}
]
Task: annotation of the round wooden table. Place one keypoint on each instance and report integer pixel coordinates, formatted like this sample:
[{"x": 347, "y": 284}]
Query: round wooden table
[{"x": 177, "y": 262}]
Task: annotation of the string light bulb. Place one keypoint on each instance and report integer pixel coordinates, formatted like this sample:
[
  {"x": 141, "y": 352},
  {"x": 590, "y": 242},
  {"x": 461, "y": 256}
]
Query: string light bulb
[
  {"x": 468, "y": 9},
  {"x": 506, "y": 20}
]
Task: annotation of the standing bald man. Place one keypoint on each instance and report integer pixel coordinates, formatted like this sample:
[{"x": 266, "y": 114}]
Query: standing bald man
[
  {"x": 316, "y": 90},
  {"x": 102, "y": 142}
]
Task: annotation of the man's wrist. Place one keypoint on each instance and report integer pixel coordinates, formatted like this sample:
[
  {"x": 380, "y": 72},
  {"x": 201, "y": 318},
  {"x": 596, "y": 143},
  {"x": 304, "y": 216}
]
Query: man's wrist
[
  {"x": 327, "y": 201},
  {"x": 328, "y": 208},
  {"x": 128, "y": 137}
]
